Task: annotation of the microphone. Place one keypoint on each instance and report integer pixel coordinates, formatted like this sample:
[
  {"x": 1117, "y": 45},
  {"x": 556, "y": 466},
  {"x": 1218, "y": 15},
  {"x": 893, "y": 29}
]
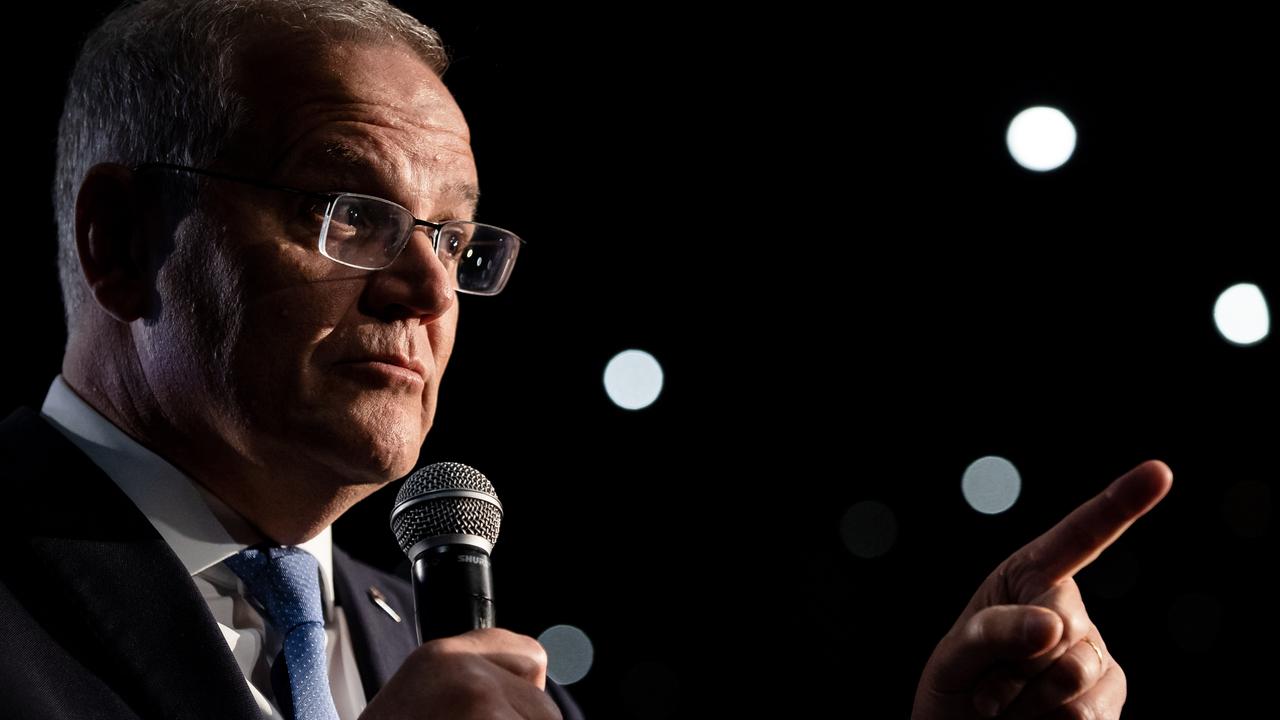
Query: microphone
[{"x": 446, "y": 519}]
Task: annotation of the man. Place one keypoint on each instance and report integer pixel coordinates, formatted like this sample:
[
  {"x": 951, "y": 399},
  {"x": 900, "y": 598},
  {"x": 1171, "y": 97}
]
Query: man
[
  {"x": 248, "y": 359},
  {"x": 241, "y": 377}
]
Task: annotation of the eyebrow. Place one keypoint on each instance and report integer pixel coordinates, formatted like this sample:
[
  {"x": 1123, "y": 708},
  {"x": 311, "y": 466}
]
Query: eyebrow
[{"x": 348, "y": 157}]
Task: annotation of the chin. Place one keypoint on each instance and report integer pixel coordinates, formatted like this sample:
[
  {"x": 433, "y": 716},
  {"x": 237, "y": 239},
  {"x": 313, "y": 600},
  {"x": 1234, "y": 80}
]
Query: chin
[
  {"x": 371, "y": 464},
  {"x": 369, "y": 438},
  {"x": 385, "y": 455}
]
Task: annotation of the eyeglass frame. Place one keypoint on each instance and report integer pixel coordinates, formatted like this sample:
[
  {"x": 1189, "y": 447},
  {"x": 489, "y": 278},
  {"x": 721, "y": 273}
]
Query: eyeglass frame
[{"x": 330, "y": 198}]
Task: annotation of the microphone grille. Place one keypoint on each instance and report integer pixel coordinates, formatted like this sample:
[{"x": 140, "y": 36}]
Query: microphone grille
[{"x": 445, "y": 498}]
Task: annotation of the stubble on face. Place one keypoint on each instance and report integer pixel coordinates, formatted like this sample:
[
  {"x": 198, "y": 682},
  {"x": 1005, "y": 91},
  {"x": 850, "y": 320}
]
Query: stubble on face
[{"x": 269, "y": 365}]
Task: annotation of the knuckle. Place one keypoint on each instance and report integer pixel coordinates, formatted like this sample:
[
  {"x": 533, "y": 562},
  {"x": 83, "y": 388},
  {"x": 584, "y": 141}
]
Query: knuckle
[
  {"x": 1078, "y": 711},
  {"x": 1012, "y": 573},
  {"x": 1112, "y": 702},
  {"x": 530, "y": 655},
  {"x": 1072, "y": 674},
  {"x": 434, "y": 651},
  {"x": 547, "y": 707},
  {"x": 533, "y": 650},
  {"x": 525, "y": 667},
  {"x": 1076, "y": 623},
  {"x": 540, "y": 656},
  {"x": 1000, "y": 576},
  {"x": 975, "y": 630}
]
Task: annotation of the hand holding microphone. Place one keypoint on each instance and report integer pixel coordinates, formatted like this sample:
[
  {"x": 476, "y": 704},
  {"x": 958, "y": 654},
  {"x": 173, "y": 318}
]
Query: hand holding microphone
[{"x": 446, "y": 519}]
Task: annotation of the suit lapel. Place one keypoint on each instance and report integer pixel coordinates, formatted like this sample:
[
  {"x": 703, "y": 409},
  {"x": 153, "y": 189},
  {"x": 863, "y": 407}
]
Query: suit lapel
[
  {"x": 115, "y": 587},
  {"x": 379, "y": 643}
]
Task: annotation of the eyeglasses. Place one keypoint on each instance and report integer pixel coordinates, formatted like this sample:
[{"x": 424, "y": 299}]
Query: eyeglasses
[{"x": 367, "y": 232}]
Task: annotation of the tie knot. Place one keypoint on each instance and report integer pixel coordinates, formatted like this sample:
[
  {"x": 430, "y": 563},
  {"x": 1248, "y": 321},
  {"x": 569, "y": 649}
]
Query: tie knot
[{"x": 284, "y": 580}]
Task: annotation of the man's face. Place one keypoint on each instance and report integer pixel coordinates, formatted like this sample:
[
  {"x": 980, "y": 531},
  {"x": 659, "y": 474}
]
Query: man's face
[{"x": 270, "y": 350}]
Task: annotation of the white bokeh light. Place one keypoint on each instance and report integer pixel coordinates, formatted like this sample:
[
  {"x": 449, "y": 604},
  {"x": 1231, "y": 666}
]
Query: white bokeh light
[
  {"x": 991, "y": 485},
  {"x": 1241, "y": 314},
  {"x": 1041, "y": 138},
  {"x": 633, "y": 379},
  {"x": 569, "y": 653}
]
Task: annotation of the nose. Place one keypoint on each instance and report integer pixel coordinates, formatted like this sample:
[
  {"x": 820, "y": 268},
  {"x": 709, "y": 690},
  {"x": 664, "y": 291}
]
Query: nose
[{"x": 417, "y": 284}]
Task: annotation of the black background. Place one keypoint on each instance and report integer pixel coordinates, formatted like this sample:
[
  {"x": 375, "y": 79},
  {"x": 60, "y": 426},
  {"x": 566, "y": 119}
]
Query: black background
[{"x": 812, "y": 222}]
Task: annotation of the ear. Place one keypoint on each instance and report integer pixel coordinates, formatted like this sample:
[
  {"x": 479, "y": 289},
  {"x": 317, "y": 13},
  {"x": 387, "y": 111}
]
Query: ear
[{"x": 110, "y": 241}]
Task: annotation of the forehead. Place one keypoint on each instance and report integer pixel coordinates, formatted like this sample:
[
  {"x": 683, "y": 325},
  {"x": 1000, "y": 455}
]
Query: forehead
[{"x": 355, "y": 111}]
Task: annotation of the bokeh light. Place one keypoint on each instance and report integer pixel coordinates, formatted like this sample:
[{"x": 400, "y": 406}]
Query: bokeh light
[
  {"x": 633, "y": 379},
  {"x": 1041, "y": 138},
  {"x": 1241, "y": 314},
  {"x": 991, "y": 485},
  {"x": 569, "y": 653},
  {"x": 869, "y": 529}
]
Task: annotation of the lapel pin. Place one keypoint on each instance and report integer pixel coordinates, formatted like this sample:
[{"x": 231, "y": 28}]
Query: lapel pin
[{"x": 381, "y": 601}]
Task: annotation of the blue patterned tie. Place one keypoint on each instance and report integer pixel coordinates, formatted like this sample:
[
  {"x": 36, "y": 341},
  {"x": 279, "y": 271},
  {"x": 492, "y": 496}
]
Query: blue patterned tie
[{"x": 286, "y": 581}]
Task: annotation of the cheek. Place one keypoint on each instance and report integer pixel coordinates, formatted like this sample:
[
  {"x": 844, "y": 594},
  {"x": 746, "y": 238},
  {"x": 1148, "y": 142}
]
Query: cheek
[
  {"x": 284, "y": 330},
  {"x": 198, "y": 310},
  {"x": 442, "y": 335},
  {"x": 287, "y": 302}
]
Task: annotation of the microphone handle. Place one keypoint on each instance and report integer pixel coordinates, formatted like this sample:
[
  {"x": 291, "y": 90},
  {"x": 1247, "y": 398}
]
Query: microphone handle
[{"x": 452, "y": 591}]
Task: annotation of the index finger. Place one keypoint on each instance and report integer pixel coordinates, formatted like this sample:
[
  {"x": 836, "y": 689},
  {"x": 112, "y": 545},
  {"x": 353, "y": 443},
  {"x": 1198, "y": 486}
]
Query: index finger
[{"x": 1081, "y": 536}]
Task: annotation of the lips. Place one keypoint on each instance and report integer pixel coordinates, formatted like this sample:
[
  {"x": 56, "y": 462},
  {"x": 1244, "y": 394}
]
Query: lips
[{"x": 390, "y": 363}]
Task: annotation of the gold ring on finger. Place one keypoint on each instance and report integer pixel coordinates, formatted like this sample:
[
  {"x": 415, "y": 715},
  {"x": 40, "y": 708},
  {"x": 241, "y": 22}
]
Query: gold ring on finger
[{"x": 1098, "y": 651}]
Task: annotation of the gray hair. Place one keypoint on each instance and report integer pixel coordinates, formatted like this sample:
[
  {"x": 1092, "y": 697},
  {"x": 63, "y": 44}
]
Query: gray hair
[{"x": 153, "y": 83}]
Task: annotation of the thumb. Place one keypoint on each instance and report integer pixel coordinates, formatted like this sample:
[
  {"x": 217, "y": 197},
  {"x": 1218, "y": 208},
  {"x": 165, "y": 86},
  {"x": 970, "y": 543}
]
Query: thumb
[{"x": 994, "y": 634}]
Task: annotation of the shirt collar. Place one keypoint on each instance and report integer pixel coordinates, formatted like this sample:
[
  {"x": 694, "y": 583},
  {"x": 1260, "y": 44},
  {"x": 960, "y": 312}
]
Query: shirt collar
[{"x": 196, "y": 524}]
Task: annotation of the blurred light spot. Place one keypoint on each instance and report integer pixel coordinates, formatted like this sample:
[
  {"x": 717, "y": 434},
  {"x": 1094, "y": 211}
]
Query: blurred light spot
[
  {"x": 869, "y": 529},
  {"x": 633, "y": 379},
  {"x": 1247, "y": 508},
  {"x": 569, "y": 653},
  {"x": 1041, "y": 138},
  {"x": 650, "y": 691},
  {"x": 1112, "y": 575},
  {"x": 1241, "y": 314},
  {"x": 1195, "y": 620},
  {"x": 991, "y": 485}
]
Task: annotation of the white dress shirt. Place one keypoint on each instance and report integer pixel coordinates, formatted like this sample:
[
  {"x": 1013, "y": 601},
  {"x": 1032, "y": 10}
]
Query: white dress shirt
[{"x": 203, "y": 531}]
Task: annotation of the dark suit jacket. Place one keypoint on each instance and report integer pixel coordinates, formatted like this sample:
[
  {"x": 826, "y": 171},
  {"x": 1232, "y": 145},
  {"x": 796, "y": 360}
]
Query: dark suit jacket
[{"x": 99, "y": 618}]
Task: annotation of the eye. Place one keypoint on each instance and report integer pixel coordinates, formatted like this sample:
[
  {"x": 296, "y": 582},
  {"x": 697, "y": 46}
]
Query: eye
[
  {"x": 353, "y": 216},
  {"x": 454, "y": 239},
  {"x": 364, "y": 216}
]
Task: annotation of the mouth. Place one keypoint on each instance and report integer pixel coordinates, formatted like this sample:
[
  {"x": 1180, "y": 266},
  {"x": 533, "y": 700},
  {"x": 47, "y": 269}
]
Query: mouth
[{"x": 386, "y": 369}]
